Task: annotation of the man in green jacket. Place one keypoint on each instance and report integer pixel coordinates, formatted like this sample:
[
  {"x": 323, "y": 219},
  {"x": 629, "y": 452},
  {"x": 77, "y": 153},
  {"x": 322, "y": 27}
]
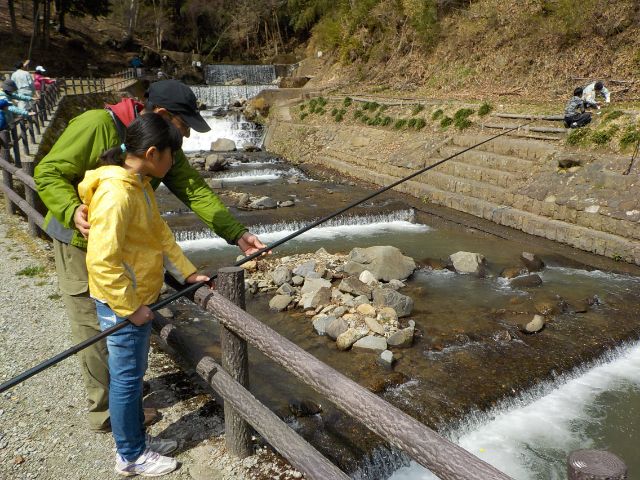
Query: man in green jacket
[{"x": 57, "y": 175}]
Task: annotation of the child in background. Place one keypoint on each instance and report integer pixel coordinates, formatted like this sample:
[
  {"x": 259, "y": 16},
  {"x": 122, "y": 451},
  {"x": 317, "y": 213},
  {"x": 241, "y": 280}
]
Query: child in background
[{"x": 129, "y": 247}]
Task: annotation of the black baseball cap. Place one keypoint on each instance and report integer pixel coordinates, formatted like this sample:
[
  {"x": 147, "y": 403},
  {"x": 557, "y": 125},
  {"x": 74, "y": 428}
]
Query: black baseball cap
[{"x": 180, "y": 100}]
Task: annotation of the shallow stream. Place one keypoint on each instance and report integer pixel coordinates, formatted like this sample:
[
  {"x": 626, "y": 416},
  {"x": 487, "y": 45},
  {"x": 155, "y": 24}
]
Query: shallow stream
[{"x": 515, "y": 400}]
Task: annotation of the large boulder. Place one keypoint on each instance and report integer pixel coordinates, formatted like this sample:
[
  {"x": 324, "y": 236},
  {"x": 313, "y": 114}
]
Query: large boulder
[
  {"x": 351, "y": 336},
  {"x": 316, "y": 298},
  {"x": 223, "y": 145},
  {"x": 468, "y": 262},
  {"x": 402, "y": 338},
  {"x": 314, "y": 284},
  {"x": 306, "y": 268},
  {"x": 526, "y": 281},
  {"x": 280, "y": 275},
  {"x": 385, "y": 297},
  {"x": 263, "y": 203},
  {"x": 336, "y": 328},
  {"x": 384, "y": 262},
  {"x": 371, "y": 342}
]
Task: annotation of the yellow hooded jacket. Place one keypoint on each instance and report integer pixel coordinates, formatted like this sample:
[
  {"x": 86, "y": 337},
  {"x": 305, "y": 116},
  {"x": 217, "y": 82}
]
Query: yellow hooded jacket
[{"x": 129, "y": 242}]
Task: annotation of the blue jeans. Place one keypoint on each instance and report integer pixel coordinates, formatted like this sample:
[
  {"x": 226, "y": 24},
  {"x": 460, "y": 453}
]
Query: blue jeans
[{"x": 128, "y": 352}]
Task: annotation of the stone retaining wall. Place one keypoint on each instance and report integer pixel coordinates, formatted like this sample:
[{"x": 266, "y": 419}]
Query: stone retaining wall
[{"x": 510, "y": 181}]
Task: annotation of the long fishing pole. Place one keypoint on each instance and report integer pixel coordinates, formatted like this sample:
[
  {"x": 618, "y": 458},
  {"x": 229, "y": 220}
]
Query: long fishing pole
[
  {"x": 193, "y": 287},
  {"x": 633, "y": 159}
]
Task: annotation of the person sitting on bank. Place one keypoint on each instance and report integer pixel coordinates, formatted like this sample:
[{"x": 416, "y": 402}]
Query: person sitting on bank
[
  {"x": 594, "y": 89},
  {"x": 574, "y": 113}
]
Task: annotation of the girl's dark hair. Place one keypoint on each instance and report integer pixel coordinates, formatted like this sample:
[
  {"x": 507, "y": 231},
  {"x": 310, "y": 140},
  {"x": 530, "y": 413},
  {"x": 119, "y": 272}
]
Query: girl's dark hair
[
  {"x": 148, "y": 130},
  {"x": 577, "y": 92}
]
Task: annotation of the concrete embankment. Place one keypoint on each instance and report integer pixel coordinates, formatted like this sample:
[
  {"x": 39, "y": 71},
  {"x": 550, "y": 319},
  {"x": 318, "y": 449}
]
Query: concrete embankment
[{"x": 577, "y": 198}]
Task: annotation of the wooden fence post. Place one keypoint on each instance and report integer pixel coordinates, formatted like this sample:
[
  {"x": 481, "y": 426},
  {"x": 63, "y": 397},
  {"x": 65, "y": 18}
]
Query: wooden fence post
[
  {"x": 595, "y": 465},
  {"x": 28, "y": 167},
  {"x": 7, "y": 178},
  {"x": 24, "y": 137},
  {"x": 235, "y": 361},
  {"x": 16, "y": 146}
]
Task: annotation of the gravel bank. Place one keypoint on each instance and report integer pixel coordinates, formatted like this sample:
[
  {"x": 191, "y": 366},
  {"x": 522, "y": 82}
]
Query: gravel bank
[{"x": 43, "y": 433}]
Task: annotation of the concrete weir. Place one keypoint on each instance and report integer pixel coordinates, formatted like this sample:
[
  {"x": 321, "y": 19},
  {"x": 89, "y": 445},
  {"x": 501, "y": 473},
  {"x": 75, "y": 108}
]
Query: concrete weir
[{"x": 520, "y": 183}]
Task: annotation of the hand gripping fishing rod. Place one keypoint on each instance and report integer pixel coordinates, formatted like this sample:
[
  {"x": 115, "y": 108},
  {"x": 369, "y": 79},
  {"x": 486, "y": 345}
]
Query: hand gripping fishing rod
[{"x": 193, "y": 287}]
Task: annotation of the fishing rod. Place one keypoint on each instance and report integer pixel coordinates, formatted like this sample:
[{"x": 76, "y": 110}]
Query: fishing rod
[
  {"x": 193, "y": 287},
  {"x": 633, "y": 159}
]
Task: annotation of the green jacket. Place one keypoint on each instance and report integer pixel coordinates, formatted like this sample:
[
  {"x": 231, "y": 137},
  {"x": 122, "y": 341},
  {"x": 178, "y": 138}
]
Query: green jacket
[{"x": 78, "y": 149}]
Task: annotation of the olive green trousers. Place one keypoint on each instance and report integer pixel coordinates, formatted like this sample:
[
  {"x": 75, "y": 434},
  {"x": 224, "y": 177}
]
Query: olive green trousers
[{"x": 73, "y": 284}]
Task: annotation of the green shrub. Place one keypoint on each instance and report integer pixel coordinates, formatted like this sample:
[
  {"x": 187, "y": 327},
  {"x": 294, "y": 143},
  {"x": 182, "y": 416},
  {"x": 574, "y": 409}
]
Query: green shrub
[
  {"x": 386, "y": 121},
  {"x": 437, "y": 114},
  {"x": 485, "y": 109},
  {"x": 578, "y": 136},
  {"x": 347, "y": 102},
  {"x": 303, "y": 106},
  {"x": 320, "y": 111},
  {"x": 303, "y": 115},
  {"x": 417, "y": 109},
  {"x": 400, "y": 123},
  {"x": 602, "y": 137},
  {"x": 463, "y": 123},
  {"x": 31, "y": 271},
  {"x": 613, "y": 115},
  {"x": 338, "y": 117},
  {"x": 463, "y": 114},
  {"x": 313, "y": 103},
  {"x": 322, "y": 101},
  {"x": 383, "y": 108},
  {"x": 446, "y": 121},
  {"x": 357, "y": 114},
  {"x": 411, "y": 123},
  {"x": 334, "y": 111},
  {"x": 365, "y": 119},
  {"x": 420, "y": 123},
  {"x": 631, "y": 136}
]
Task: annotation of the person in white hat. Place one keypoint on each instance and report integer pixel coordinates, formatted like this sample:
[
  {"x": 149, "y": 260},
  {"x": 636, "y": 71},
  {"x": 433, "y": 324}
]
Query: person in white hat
[{"x": 40, "y": 80}]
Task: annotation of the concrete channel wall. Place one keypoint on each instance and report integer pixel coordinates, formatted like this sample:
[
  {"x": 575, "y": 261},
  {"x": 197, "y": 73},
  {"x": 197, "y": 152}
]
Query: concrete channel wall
[{"x": 515, "y": 182}]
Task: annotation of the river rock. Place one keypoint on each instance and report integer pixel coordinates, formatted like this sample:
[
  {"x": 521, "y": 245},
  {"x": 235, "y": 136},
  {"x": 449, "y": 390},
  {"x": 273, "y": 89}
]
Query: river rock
[
  {"x": 166, "y": 312},
  {"x": 545, "y": 307},
  {"x": 252, "y": 148},
  {"x": 316, "y": 298},
  {"x": 304, "y": 408},
  {"x": 354, "y": 286},
  {"x": 297, "y": 280},
  {"x": 367, "y": 277},
  {"x": 321, "y": 322},
  {"x": 395, "y": 284},
  {"x": 531, "y": 261},
  {"x": 263, "y": 203},
  {"x": 526, "y": 281},
  {"x": 250, "y": 266},
  {"x": 280, "y": 302},
  {"x": 386, "y": 359},
  {"x": 348, "y": 338},
  {"x": 215, "y": 162},
  {"x": 433, "y": 263},
  {"x": 512, "y": 272},
  {"x": 402, "y": 338},
  {"x": 360, "y": 300},
  {"x": 374, "y": 326},
  {"x": 280, "y": 275},
  {"x": 385, "y": 297},
  {"x": 305, "y": 268},
  {"x": 286, "y": 203},
  {"x": 366, "y": 309},
  {"x": 286, "y": 289},
  {"x": 312, "y": 285},
  {"x": 223, "y": 145},
  {"x": 371, "y": 342},
  {"x": 243, "y": 200},
  {"x": 468, "y": 262},
  {"x": 388, "y": 315},
  {"x": 535, "y": 325},
  {"x": 384, "y": 262},
  {"x": 339, "y": 311},
  {"x": 197, "y": 163},
  {"x": 336, "y": 328}
]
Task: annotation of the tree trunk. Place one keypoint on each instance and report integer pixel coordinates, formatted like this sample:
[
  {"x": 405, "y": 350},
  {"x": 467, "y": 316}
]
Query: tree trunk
[
  {"x": 132, "y": 18},
  {"x": 45, "y": 24},
  {"x": 61, "y": 10},
  {"x": 12, "y": 14},
  {"x": 36, "y": 26}
]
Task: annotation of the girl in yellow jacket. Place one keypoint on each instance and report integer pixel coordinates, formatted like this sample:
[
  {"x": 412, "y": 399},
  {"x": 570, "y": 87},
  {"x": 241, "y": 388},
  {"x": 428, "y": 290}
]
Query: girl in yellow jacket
[{"x": 129, "y": 248}]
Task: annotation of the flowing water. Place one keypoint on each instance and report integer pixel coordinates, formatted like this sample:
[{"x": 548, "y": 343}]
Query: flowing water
[
  {"x": 253, "y": 74},
  {"x": 233, "y": 126},
  {"x": 514, "y": 400}
]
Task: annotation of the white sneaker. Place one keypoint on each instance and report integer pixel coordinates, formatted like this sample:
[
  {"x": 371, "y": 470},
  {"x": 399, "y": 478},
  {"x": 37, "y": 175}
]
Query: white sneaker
[
  {"x": 160, "y": 445},
  {"x": 149, "y": 464}
]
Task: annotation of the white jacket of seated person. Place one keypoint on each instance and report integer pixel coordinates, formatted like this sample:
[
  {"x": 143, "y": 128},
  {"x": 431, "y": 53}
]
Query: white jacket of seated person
[{"x": 589, "y": 93}]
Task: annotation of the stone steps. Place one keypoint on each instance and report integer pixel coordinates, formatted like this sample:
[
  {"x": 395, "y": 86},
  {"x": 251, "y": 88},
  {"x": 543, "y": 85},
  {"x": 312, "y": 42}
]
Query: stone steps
[
  {"x": 491, "y": 176},
  {"x": 583, "y": 237},
  {"x": 524, "y": 149},
  {"x": 494, "y": 161}
]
